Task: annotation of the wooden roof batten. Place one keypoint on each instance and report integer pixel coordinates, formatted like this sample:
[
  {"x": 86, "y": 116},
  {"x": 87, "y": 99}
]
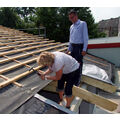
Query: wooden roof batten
[{"x": 46, "y": 45}]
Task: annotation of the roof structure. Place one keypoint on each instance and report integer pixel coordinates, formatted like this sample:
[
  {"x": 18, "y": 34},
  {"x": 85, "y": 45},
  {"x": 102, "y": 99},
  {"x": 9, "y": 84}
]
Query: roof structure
[
  {"x": 19, "y": 85},
  {"x": 106, "y": 48},
  {"x": 109, "y": 42}
]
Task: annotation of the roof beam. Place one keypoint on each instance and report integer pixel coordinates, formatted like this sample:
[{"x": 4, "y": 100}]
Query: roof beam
[
  {"x": 30, "y": 53},
  {"x": 94, "y": 99},
  {"x": 23, "y": 45},
  {"x": 15, "y": 83},
  {"x": 88, "y": 96},
  {"x": 25, "y": 41},
  {"x": 27, "y": 48},
  {"x": 99, "y": 84},
  {"x": 14, "y": 79}
]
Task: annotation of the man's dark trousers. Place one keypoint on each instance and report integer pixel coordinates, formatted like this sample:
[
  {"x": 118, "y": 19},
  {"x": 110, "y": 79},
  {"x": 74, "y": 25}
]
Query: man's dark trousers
[{"x": 76, "y": 52}]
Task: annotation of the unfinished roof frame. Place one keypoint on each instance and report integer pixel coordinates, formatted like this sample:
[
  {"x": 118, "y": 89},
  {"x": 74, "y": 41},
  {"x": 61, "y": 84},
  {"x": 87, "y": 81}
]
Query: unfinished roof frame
[{"x": 27, "y": 40}]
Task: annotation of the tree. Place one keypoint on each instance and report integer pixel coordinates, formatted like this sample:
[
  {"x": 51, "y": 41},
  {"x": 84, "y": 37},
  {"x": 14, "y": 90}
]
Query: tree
[
  {"x": 25, "y": 11},
  {"x": 55, "y": 19},
  {"x": 28, "y": 17},
  {"x": 9, "y": 18},
  {"x": 48, "y": 18},
  {"x": 57, "y": 22}
]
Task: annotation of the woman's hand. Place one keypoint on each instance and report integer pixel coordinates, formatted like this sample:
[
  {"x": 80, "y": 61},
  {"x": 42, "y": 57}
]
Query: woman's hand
[
  {"x": 41, "y": 72},
  {"x": 42, "y": 77}
]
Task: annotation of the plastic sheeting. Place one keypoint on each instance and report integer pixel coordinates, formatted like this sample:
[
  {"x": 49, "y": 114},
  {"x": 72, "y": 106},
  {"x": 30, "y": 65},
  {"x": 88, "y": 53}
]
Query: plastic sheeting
[{"x": 96, "y": 72}]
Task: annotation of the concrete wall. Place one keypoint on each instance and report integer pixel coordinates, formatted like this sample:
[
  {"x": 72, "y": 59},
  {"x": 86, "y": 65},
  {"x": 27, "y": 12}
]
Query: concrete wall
[{"x": 110, "y": 54}]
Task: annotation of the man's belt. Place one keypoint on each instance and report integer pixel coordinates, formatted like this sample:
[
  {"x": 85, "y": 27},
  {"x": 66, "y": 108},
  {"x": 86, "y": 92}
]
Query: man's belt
[{"x": 79, "y": 44}]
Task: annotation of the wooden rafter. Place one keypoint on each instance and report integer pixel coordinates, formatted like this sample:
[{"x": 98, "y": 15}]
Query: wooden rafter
[
  {"x": 99, "y": 84},
  {"x": 20, "y": 42},
  {"x": 14, "y": 79},
  {"x": 96, "y": 62},
  {"x": 15, "y": 83},
  {"x": 26, "y": 48},
  {"x": 23, "y": 45},
  {"x": 30, "y": 53},
  {"x": 88, "y": 96},
  {"x": 20, "y": 39}
]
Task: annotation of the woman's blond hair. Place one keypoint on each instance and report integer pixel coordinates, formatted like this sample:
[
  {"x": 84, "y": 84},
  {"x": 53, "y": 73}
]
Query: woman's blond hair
[{"x": 46, "y": 58}]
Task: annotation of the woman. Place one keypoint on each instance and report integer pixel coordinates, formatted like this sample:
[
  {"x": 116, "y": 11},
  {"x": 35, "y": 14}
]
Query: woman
[{"x": 67, "y": 70}]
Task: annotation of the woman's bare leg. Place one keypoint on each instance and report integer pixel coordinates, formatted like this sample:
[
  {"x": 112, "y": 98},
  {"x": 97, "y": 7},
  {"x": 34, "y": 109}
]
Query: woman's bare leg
[
  {"x": 69, "y": 100},
  {"x": 61, "y": 95}
]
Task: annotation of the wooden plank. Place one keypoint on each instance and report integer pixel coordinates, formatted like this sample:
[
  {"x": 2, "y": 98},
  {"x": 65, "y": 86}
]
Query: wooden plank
[
  {"x": 5, "y": 83},
  {"x": 9, "y": 37},
  {"x": 96, "y": 62},
  {"x": 30, "y": 53},
  {"x": 16, "y": 66},
  {"x": 94, "y": 99},
  {"x": 15, "y": 83},
  {"x": 14, "y": 79},
  {"x": 27, "y": 48},
  {"x": 88, "y": 96},
  {"x": 50, "y": 88},
  {"x": 14, "y": 39},
  {"x": 77, "y": 100},
  {"x": 23, "y": 45},
  {"x": 19, "y": 42},
  {"x": 19, "y": 38},
  {"x": 99, "y": 84},
  {"x": 95, "y": 57},
  {"x": 24, "y": 40}
]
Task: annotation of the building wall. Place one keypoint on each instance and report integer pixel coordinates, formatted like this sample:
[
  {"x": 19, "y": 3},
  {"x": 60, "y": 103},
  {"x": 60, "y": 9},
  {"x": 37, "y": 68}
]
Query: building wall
[
  {"x": 119, "y": 28},
  {"x": 109, "y": 26}
]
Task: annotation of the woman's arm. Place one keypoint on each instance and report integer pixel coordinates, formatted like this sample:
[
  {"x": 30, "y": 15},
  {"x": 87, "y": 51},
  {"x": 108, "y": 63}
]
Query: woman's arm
[
  {"x": 42, "y": 73},
  {"x": 48, "y": 71},
  {"x": 57, "y": 76}
]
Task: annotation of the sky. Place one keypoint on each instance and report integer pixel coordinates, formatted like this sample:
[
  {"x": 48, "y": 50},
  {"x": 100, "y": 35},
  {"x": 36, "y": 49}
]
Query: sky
[
  {"x": 101, "y": 9},
  {"x": 102, "y": 13}
]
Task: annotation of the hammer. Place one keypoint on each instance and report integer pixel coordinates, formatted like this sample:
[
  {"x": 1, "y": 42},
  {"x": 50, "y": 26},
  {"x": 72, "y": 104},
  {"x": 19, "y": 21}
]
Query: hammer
[{"x": 34, "y": 70}]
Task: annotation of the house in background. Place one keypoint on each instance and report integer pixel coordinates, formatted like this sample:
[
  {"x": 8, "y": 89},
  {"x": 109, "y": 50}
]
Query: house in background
[{"x": 110, "y": 26}]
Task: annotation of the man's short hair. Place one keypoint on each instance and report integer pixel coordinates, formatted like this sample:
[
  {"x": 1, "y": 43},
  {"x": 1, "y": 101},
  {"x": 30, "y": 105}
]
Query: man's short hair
[{"x": 72, "y": 12}]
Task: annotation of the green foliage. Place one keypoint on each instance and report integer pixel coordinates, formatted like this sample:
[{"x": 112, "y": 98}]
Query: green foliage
[
  {"x": 55, "y": 19},
  {"x": 9, "y": 18},
  {"x": 57, "y": 23},
  {"x": 27, "y": 15}
]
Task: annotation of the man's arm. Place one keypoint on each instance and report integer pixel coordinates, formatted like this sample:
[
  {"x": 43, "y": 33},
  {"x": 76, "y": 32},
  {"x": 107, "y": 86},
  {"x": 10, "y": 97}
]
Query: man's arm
[{"x": 85, "y": 38}]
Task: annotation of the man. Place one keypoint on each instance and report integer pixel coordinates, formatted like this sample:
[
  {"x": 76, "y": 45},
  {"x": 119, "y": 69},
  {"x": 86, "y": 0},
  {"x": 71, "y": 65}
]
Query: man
[
  {"x": 78, "y": 40},
  {"x": 67, "y": 70}
]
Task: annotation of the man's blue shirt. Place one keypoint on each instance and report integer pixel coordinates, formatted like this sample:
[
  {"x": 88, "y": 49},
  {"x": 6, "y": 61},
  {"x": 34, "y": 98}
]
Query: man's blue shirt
[{"x": 79, "y": 34}]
